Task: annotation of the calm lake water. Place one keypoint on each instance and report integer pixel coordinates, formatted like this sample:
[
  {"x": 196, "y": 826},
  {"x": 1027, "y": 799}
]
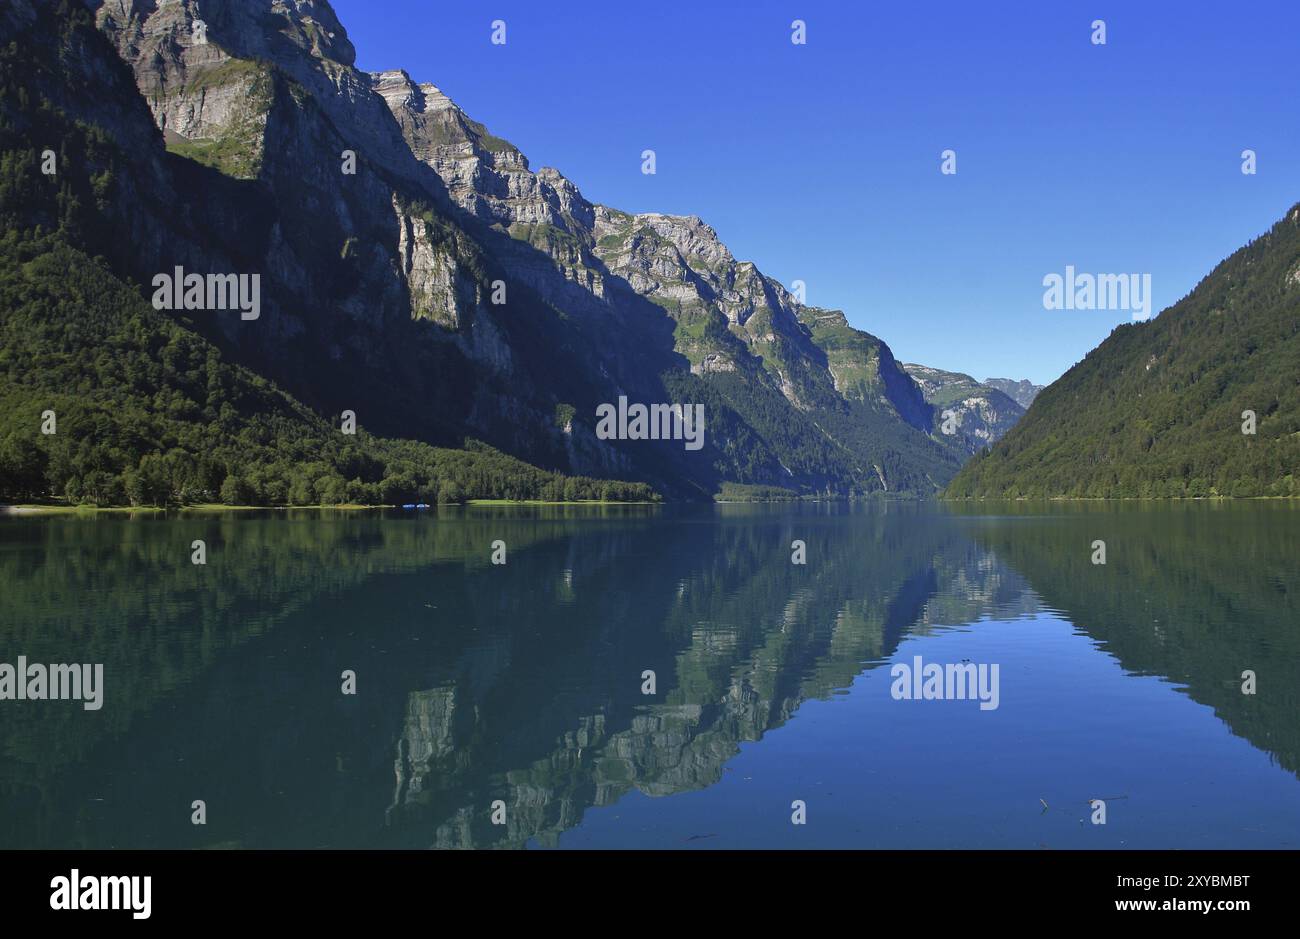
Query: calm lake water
[{"x": 522, "y": 683}]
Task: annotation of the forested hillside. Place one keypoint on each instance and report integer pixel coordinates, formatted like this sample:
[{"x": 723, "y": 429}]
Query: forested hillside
[
  {"x": 1157, "y": 409},
  {"x": 147, "y": 412}
]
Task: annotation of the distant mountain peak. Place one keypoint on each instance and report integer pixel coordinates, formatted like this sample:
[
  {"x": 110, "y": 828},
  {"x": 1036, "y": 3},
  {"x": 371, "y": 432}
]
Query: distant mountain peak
[
  {"x": 1023, "y": 392},
  {"x": 983, "y": 413}
]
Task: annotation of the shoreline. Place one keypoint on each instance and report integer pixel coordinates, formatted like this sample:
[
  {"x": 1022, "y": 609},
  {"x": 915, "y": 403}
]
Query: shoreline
[
  {"x": 216, "y": 508},
  {"x": 37, "y": 509}
]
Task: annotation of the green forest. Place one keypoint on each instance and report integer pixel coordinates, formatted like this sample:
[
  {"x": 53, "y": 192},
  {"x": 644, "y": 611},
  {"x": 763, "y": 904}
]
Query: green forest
[
  {"x": 1156, "y": 411},
  {"x": 146, "y": 412}
]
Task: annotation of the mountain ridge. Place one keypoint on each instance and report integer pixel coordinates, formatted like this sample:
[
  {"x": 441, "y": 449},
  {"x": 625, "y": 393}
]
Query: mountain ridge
[
  {"x": 380, "y": 284},
  {"x": 1022, "y": 391}
]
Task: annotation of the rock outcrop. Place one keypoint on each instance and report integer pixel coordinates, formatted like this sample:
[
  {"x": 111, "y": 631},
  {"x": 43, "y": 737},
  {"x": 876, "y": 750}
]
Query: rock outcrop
[
  {"x": 980, "y": 414},
  {"x": 1022, "y": 392}
]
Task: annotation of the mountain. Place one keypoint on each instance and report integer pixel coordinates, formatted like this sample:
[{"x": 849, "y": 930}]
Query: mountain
[
  {"x": 1159, "y": 409},
  {"x": 826, "y": 403},
  {"x": 415, "y": 270},
  {"x": 1022, "y": 392},
  {"x": 982, "y": 413},
  {"x": 106, "y": 400}
]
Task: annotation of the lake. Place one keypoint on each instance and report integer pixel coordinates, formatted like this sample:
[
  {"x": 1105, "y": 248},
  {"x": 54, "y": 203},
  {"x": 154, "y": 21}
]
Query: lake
[{"x": 504, "y": 705}]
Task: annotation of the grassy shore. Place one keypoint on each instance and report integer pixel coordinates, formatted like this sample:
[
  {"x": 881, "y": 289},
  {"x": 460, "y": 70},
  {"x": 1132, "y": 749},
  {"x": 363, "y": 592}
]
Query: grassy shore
[
  {"x": 544, "y": 502},
  {"x": 74, "y": 509},
  {"x": 205, "y": 507},
  {"x": 55, "y": 508}
]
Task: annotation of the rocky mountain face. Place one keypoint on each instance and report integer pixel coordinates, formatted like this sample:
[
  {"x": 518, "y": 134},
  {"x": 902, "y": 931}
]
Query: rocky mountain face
[
  {"x": 728, "y": 316},
  {"x": 1201, "y": 400},
  {"x": 378, "y": 298},
  {"x": 1022, "y": 392},
  {"x": 735, "y": 327},
  {"x": 980, "y": 413},
  {"x": 417, "y": 271}
]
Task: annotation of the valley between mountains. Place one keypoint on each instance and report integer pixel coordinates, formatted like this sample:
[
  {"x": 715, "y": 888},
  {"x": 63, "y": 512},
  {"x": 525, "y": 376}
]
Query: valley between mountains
[{"x": 470, "y": 312}]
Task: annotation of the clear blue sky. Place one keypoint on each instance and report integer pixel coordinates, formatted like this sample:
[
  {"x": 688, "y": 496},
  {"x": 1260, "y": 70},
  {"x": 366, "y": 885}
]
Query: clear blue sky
[{"x": 821, "y": 162}]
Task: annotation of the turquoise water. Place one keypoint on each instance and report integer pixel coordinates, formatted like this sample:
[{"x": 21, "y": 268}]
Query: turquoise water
[{"x": 514, "y": 692}]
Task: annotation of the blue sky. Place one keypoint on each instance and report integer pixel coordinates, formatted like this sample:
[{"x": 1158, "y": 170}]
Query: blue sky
[{"x": 821, "y": 162}]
